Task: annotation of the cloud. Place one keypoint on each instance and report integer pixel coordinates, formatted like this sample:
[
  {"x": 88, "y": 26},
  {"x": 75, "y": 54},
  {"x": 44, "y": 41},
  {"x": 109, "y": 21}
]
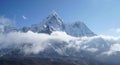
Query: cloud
[
  {"x": 113, "y": 49},
  {"x": 118, "y": 30},
  {"x": 39, "y": 42},
  {"x": 5, "y": 21},
  {"x": 92, "y": 49},
  {"x": 24, "y": 17},
  {"x": 113, "y": 32}
]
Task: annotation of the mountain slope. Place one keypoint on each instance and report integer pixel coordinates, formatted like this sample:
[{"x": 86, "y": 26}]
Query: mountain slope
[
  {"x": 78, "y": 29},
  {"x": 54, "y": 23},
  {"x": 51, "y": 23}
]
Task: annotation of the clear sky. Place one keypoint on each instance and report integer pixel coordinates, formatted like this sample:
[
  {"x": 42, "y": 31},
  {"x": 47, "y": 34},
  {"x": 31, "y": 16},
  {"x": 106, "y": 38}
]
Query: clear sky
[{"x": 101, "y": 16}]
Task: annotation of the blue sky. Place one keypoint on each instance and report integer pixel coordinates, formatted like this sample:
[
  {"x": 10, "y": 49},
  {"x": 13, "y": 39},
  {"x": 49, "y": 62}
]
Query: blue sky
[{"x": 101, "y": 16}]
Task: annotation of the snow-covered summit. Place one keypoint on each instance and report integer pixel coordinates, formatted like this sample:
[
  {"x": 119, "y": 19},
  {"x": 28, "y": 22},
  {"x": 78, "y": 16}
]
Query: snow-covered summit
[{"x": 54, "y": 23}]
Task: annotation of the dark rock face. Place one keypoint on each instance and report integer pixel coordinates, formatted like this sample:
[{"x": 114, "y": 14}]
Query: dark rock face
[{"x": 48, "y": 61}]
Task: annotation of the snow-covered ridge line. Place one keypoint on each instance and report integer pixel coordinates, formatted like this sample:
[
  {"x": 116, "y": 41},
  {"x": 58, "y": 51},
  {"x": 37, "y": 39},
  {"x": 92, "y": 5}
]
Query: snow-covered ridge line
[{"x": 54, "y": 23}]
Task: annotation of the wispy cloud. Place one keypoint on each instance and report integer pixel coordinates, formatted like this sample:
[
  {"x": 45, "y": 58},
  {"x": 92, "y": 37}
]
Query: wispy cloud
[
  {"x": 5, "y": 21},
  {"x": 118, "y": 30},
  {"x": 24, "y": 17},
  {"x": 115, "y": 31}
]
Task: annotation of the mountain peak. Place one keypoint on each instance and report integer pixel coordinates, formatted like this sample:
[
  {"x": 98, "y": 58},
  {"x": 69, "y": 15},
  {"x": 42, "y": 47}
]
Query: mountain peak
[
  {"x": 53, "y": 18},
  {"x": 54, "y": 13},
  {"x": 54, "y": 23}
]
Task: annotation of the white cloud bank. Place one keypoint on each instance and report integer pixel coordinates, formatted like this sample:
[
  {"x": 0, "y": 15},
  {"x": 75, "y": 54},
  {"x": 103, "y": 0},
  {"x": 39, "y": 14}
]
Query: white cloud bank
[{"x": 39, "y": 42}]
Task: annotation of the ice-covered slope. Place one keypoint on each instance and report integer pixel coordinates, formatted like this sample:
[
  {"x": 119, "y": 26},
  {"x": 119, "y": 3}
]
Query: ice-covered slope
[
  {"x": 78, "y": 29},
  {"x": 54, "y": 23}
]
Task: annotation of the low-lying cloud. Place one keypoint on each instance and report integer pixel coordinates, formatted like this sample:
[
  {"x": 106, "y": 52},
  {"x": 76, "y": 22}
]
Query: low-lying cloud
[{"x": 39, "y": 42}]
